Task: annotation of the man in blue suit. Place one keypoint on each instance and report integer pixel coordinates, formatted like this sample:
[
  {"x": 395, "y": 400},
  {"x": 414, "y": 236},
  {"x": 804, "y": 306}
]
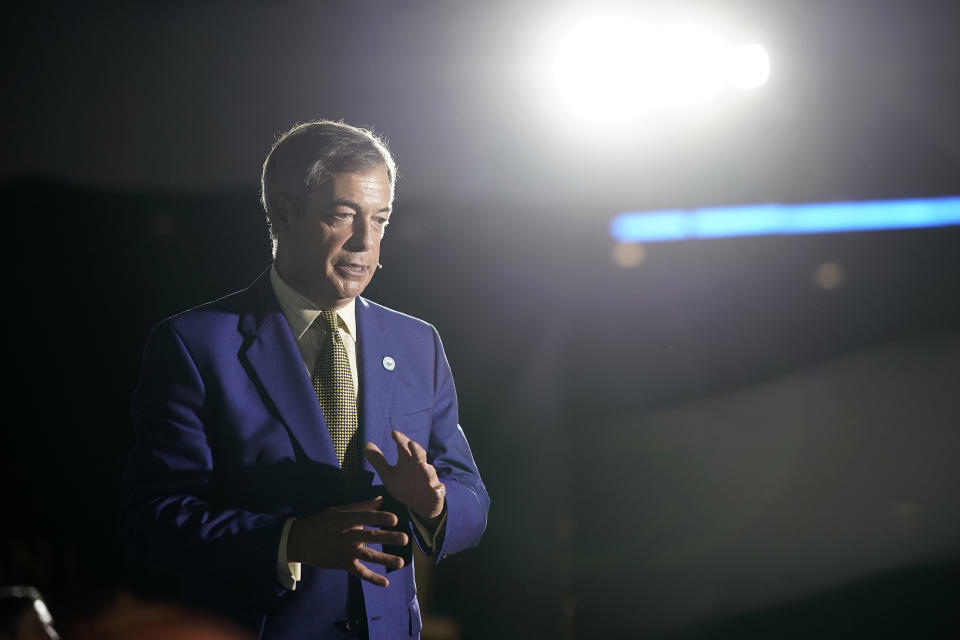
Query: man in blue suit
[{"x": 247, "y": 477}]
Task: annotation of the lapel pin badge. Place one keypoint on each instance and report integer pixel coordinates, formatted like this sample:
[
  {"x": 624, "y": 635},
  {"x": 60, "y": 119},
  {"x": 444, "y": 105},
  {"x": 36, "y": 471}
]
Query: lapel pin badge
[{"x": 389, "y": 363}]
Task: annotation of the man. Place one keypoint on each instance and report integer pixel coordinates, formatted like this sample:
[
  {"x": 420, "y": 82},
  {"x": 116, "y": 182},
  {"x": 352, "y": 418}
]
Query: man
[{"x": 247, "y": 477}]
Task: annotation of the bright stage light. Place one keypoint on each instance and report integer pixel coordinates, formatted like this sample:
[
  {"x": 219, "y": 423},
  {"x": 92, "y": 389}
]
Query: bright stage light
[
  {"x": 599, "y": 70},
  {"x": 612, "y": 69},
  {"x": 747, "y": 66},
  {"x": 773, "y": 219}
]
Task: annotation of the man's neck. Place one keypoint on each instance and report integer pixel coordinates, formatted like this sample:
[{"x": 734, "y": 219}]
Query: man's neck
[{"x": 321, "y": 302}]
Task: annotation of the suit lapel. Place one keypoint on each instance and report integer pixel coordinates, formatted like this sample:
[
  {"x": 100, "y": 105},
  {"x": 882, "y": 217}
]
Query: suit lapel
[
  {"x": 376, "y": 380},
  {"x": 272, "y": 359}
]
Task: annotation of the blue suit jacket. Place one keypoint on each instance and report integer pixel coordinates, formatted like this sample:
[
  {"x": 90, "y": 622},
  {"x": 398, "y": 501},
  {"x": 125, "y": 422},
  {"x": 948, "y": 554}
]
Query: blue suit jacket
[{"x": 231, "y": 441}]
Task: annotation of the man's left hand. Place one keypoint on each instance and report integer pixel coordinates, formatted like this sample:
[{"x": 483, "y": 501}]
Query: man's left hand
[{"x": 413, "y": 481}]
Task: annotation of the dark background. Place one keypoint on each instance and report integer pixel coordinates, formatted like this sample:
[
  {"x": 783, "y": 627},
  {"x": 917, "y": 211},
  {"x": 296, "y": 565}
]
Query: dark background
[{"x": 708, "y": 444}]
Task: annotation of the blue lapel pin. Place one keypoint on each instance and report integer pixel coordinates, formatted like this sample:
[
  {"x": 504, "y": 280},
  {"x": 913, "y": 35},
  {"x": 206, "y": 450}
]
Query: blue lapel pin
[{"x": 389, "y": 363}]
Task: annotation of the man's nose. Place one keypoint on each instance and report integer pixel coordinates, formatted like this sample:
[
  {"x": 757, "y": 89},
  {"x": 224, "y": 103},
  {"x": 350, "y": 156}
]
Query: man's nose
[{"x": 361, "y": 237}]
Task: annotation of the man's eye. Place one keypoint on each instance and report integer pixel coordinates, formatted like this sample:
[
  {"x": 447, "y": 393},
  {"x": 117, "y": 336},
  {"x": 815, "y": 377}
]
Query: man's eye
[
  {"x": 340, "y": 217},
  {"x": 382, "y": 221}
]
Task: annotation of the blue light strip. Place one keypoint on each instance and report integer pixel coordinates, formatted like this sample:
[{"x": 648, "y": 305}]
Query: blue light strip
[{"x": 772, "y": 219}]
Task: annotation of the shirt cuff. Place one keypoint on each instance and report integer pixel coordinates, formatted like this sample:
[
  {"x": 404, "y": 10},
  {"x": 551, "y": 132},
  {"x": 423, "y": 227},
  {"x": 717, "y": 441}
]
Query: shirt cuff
[
  {"x": 288, "y": 573},
  {"x": 429, "y": 536}
]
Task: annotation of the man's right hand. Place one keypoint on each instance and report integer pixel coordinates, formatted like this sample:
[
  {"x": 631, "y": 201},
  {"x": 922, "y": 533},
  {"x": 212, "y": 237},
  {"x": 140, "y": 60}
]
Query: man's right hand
[{"x": 335, "y": 539}]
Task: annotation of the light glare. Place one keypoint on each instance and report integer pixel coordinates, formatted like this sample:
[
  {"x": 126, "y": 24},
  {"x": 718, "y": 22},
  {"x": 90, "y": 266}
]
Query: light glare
[
  {"x": 596, "y": 70},
  {"x": 747, "y": 66},
  {"x": 613, "y": 69}
]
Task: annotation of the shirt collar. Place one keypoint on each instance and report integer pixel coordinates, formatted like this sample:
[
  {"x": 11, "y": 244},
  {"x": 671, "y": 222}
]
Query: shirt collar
[{"x": 300, "y": 311}]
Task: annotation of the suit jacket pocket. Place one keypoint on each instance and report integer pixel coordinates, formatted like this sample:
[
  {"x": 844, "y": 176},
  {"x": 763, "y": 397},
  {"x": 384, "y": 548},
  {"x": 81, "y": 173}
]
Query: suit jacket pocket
[{"x": 415, "y": 426}]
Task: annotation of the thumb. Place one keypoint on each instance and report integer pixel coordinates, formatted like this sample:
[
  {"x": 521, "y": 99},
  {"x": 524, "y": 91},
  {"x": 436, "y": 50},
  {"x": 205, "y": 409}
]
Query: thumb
[{"x": 376, "y": 459}]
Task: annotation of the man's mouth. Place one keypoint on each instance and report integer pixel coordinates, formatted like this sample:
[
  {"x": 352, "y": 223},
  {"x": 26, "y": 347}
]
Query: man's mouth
[{"x": 351, "y": 267}]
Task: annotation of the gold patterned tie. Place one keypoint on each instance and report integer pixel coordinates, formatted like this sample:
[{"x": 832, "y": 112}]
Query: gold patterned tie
[{"x": 333, "y": 382}]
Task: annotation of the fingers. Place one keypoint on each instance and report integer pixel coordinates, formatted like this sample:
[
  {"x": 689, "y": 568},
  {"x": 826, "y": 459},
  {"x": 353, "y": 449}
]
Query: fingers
[
  {"x": 359, "y": 514},
  {"x": 367, "y": 505},
  {"x": 377, "y": 536},
  {"x": 378, "y": 557},
  {"x": 337, "y": 538},
  {"x": 408, "y": 448},
  {"x": 402, "y": 440},
  {"x": 418, "y": 452},
  {"x": 364, "y": 573},
  {"x": 367, "y": 554},
  {"x": 352, "y": 519},
  {"x": 376, "y": 458}
]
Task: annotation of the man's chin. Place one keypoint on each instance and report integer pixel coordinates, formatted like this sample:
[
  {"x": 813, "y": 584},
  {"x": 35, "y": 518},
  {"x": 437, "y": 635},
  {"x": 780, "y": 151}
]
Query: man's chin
[{"x": 347, "y": 291}]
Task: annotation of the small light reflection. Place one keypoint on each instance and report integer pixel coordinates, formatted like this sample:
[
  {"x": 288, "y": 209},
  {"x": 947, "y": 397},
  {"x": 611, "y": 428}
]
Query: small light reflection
[
  {"x": 829, "y": 276},
  {"x": 629, "y": 254}
]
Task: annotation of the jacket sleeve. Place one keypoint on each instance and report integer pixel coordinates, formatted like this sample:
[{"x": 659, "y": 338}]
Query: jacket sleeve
[
  {"x": 467, "y": 500},
  {"x": 168, "y": 521}
]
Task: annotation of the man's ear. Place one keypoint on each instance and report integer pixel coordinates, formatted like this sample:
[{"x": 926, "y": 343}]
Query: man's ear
[{"x": 283, "y": 210}]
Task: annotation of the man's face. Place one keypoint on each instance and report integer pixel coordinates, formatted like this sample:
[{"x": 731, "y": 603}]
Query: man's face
[{"x": 329, "y": 249}]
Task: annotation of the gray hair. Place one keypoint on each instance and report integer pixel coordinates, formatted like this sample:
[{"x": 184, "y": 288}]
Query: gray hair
[{"x": 304, "y": 157}]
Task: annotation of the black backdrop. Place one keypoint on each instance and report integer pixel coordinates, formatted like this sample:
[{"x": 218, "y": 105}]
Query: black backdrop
[{"x": 558, "y": 353}]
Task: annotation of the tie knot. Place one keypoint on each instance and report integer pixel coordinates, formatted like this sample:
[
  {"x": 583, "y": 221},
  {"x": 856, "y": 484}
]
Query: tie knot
[{"x": 328, "y": 320}]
